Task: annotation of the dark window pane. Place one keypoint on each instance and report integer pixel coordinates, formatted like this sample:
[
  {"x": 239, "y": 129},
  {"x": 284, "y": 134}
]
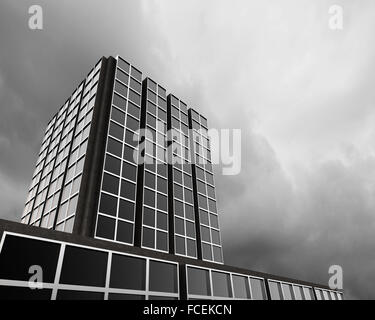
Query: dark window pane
[
  {"x": 84, "y": 267},
  {"x": 126, "y": 210},
  {"x": 190, "y": 229},
  {"x": 127, "y": 190},
  {"x": 112, "y": 164},
  {"x": 287, "y": 292},
  {"x": 180, "y": 245},
  {"x": 178, "y": 208},
  {"x": 203, "y": 217},
  {"x": 121, "y": 89},
  {"x": 19, "y": 254},
  {"x": 133, "y": 110},
  {"x": 18, "y": 293},
  {"x": 198, "y": 281},
  {"x": 205, "y": 233},
  {"x": 119, "y": 101},
  {"x": 162, "y": 202},
  {"x": 130, "y": 154},
  {"x": 110, "y": 183},
  {"x": 218, "y": 254},
  {"x": 134, "y": 97},
  {"x": 149, "y": 180},
  {"x": 129, "y": 171},
  {"x": 124, "y": 232},
  {"x": 121, "y": 296},
  {"x": 214, "y": 221},
  {"x": 161, "y": 298},
  {"x": 128, "y": 272},
  {"x": 132, "y": 123},
  {"x": 118, "y": 115},
  {"x": 162, "y": 185},
  {"x": 240, "y": 287},
  {"x": 148, "y": 217},
  {"x": 179, "y": 226},
  {"x": 191, "y": 248},
  {"x": 149, "y": 197},
  {"x": 257, "y": 289},
  {"x": 189, "y": 212},
  {"x": 136, "y": 74},
  {"x": 123, "y": 65},
  {"x": 122, "y": 76},
  {"x": 116, "y": 130},
  {"x": 215, "y": 236},
  {"x": 163, "y": 277},
  {"x": 135, "y": 85},
  {"x": 108, "y": 204},
  {"x": 79, "y": 295},
  {"x": 162, "y": 221},
  {"x": 221, "y": 284},
  {"x": 114, "y": 147},
  {"x": 105, "y": 228},
  {"x": 161, "y": 240},
  {"x": 131, "y": 138},
  {"x": 206, "y": 251},
  {"x": 148, "y": 238}
]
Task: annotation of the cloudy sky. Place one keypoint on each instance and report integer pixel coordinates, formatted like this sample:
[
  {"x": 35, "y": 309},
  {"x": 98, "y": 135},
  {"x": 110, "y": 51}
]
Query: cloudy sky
[{"x": 301, "y": 93}]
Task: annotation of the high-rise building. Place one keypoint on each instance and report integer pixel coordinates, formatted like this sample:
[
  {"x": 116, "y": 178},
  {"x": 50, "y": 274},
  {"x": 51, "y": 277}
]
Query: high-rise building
[{"x": 124, "y": 181}]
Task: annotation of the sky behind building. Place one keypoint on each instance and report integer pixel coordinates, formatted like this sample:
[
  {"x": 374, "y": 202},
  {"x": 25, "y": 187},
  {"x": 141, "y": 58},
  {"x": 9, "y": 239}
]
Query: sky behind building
[{"x": 300, "y": 92}]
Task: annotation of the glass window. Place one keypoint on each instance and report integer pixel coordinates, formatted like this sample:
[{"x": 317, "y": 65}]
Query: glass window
[
  {"x": 275, "y": 290},
  {"x": 124, "y": 232},
  {"x": 257, "y": 289},
  {"x": 308, "y": 293},
  {"x": 179, "y": 226},
  {"x": 148, "y": 217},
  {"x": 119, "y": 101},
  {"x": 110, "y": 183},
  {"x": 128, "y": 272},
  {"x": 136, "y": 74},
  {"x": 112, "y": 164},
  {"x": 133, "y": 110},
  {"x": 206, "y": 251},
  {"x": 84, "y": 267},
  {"x": 114, "y": 147},
  {"x": 298, "y": 292},
  {"x": 149, "y": 197},
  {"x": 18, "y": 254},
  {"x": 123, "y": 65},
  {"x": 148, "y": 238},
  {"x": 108, "y": 204},
  {"x": 132, "y": 123},
  {"x": 241, "y": 287},
  {"x": 221, "y": 284},
  {"x": 126, "y": 210},
  {"x": 127, "y": 189},
  {"x": 163, "y": 277},
  {"x": 129, "y": 171},
  {"x": 198, "y": 281},
  {"x": 162, "y": 202},
  {"x": 180, "y": 245},
  {"x": 287, "y": 292},
  {"x": 218, "y": 254},
  {"x": 121, "y": 89},
  {"x": 116, "y": 130},
  {"x": 105, "y": 227},
  {"x": 205, "y": 233},
  {"x": 190, "y": 229},
  {"x": 162, "y": 220},
  {"x": 161, "y": 240},
  {"x": 118, "y": 115},
  {"x": 191, "y": 248},
  {"x": 134, "y": 97},
  {"x": 319, "y": 295}
]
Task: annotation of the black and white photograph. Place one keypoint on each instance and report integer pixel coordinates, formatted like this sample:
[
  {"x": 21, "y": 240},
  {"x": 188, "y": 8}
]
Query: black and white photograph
[{"x": 181, "y": 150}]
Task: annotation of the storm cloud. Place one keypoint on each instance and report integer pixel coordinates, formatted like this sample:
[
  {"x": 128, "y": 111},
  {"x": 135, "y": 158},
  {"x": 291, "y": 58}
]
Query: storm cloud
[{"x": 301, "y": 93}]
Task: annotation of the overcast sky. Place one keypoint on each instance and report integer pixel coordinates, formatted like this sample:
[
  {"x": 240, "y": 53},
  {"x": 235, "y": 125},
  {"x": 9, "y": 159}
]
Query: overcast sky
[{"x": 302, "y": 94}]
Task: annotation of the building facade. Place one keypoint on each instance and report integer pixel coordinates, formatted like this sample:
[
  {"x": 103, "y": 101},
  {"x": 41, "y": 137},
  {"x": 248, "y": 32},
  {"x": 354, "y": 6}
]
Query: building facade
[{"x": 124, "y": 181}]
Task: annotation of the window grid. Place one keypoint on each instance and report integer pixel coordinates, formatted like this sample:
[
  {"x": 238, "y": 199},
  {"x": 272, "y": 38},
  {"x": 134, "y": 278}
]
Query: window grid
[
  {"x": 179, "y": 157},
  {"x": 116, "y": 211},
  {"x": 231, "y": 295},
  {"x": 207, "y": 206},
  {"x": 106, "y": 290},
  {"x": 52, "y": 161},
  {"x": 155, "y": 214}
]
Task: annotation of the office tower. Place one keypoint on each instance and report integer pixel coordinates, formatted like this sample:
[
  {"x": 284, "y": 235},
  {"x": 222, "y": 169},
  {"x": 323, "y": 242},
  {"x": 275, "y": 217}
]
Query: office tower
[{"x": 122, "y": 204}]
